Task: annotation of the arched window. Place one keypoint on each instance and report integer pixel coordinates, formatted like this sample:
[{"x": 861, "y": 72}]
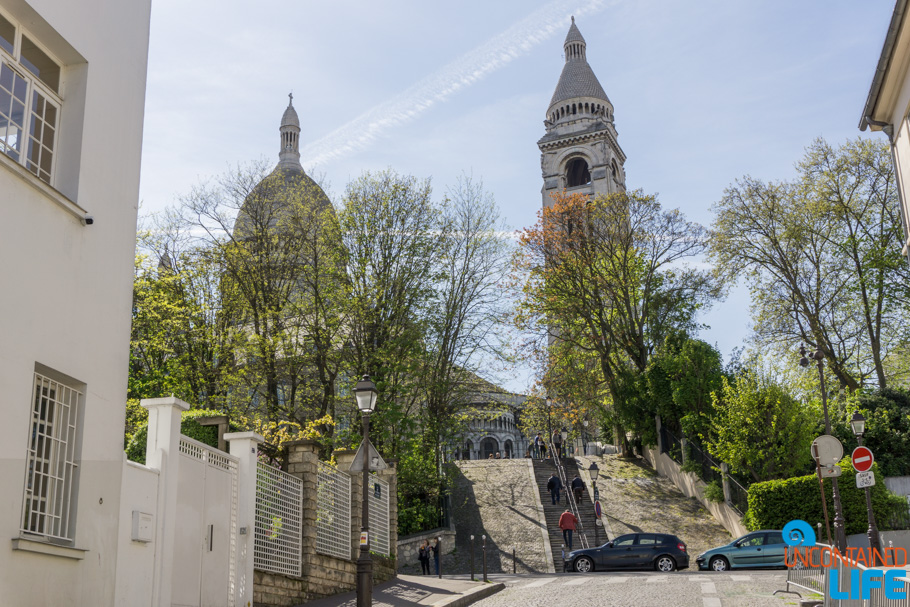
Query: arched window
[
  {"x": 508, "y": 448},
  {"x": 468, "y": 449},
  {"x": 573, "y": 108},
  {"x": 577, "y": 173},
  {"x": 615, "y": 170},
  {"x": 489, "y": 446}
]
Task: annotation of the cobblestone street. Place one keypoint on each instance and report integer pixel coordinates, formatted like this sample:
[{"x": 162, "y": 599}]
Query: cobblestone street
[{"x": 644, "y": 589}]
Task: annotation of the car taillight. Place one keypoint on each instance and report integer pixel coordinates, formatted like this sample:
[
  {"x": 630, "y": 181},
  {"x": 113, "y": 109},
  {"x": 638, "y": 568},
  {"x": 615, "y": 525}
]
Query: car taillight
[{"x": 681, "y": 546}]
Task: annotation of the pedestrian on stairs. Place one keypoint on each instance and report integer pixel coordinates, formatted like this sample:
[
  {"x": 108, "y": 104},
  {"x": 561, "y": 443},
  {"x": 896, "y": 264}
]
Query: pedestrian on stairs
[
  {"x": 578, "y": 487},
  {"x": 538, "y": 445},
  {"x": 557, "y": 444},
  {"x": 554, "y": 486},
  {"x": 567, "y": 522}
]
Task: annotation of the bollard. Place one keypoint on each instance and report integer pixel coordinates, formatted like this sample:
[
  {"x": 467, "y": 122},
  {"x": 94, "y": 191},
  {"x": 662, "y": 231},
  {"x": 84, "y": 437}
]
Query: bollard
[
  {"x": 563, "y": 550},
  {"x": 439, "y": 556},
  {"x": 472, "y": 559},
  {"x": 513, "y": 559},
  {"x": 484, "y": 549}
]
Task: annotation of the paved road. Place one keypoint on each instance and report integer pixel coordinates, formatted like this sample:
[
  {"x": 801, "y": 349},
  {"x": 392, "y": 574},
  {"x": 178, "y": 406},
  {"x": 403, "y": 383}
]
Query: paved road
[{"x": 643, "y": 589}]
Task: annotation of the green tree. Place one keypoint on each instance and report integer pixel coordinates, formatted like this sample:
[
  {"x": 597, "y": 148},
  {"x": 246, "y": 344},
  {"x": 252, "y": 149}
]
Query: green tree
[
  {"x": 887, "y": 432},
  {"x": 759, "y": 429},
  {"x": 821, "y": 255}
]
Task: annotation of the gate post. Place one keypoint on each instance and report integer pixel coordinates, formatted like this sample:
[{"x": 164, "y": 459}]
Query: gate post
[
  {"x": 162, "y": 452},
  {"x": 245, "y": 447}
]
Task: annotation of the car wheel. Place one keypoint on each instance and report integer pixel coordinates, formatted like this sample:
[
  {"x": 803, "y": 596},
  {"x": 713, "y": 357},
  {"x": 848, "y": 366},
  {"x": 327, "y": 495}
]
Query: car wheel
[
  {"x": 719, "y": 563},
  {"x": 665, "y": 563},
  {"x": 584, "y": 565}
]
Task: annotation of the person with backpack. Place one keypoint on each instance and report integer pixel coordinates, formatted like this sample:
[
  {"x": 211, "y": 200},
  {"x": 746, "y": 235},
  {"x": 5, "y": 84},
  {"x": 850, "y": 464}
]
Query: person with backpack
[
  {"x": 567, "y": 522},
  {"x": 423, "y": 555},
  {"x": 557, "y": 444},
  {"x": 554, "y": 486},
  {"x": 578, "y": 487}
]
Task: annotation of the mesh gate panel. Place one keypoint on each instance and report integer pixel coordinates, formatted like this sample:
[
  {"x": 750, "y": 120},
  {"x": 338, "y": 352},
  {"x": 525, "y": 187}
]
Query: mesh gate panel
[
  {"x": 277, "y": 542},
  {"x": 379, "y": 516},
  {"x": 333, "y": 512}
]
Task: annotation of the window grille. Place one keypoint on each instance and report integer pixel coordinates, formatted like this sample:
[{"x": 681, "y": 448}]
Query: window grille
[
  {"x": 379, "y": 515},
  {"x": 29, "y": 101},
  {"x": 279, "y": 504},
  {"x": 49, "y": 476},
  {"x": 333, "y": 512}
]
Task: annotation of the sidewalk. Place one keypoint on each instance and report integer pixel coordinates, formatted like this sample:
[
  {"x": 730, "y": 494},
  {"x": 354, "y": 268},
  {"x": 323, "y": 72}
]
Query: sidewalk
[{"x": 406, "y": 590}]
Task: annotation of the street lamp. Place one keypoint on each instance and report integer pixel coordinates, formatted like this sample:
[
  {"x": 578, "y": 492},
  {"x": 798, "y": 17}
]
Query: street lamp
[
  {"x": 549, "y": 427},
  {"x": 365, "y": 392},
  {"x": 565, "y": 435},
  {"x": 593, "y": 470},
  {"x": 584, "y": 438},
  {"x": 840, "y": 534},
  {"x": 858, "y": 423}
]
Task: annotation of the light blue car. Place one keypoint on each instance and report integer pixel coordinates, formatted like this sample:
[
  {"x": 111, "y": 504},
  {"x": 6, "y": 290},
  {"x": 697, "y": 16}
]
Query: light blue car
[{"x": 759, "y": 549}]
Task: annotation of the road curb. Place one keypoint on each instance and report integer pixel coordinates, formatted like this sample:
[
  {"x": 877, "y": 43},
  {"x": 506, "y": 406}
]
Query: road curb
[{"x": 471, "y": 596}]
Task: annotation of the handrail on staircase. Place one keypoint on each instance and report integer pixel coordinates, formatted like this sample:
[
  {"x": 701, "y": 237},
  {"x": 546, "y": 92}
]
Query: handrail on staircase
[{"x": 570, "y": 496}]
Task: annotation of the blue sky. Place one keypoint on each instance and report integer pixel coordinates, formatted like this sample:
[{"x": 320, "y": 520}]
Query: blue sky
[{"x": 704, "y": 93}]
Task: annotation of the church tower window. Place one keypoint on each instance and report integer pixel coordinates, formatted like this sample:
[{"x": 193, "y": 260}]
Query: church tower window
[{"x": 577, "y": 173}]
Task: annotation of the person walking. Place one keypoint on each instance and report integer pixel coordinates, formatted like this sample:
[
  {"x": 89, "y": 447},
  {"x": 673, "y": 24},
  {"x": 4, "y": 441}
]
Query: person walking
[
  {"x": 543, "y": 449},
  {"x": 567, "y": 522},
  {"x": 538, "y": 441},
  {"x": 436, "y": 556},
  {"x": 578, "y": 487},
  {"x": 423, "y": 555},
  {"x": 554, "y": 486},
  {"x": 557, "y": 444}
]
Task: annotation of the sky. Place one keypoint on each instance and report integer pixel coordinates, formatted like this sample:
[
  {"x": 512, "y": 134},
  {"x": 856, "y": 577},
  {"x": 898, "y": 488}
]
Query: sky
[{"x": 704, "y": 92}]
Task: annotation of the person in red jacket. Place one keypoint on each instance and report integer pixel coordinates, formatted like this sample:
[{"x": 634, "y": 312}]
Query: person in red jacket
[{"x": 567, "y": 522}]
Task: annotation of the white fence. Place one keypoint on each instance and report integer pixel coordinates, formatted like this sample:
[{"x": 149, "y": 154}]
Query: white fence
[
  {"x": 333, "y": 512},
  {"x": 379, "y": 515},
  {"x": 279, "y": 529}
]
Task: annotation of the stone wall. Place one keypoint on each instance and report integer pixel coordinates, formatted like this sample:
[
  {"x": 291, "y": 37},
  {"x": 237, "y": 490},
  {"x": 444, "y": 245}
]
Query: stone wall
[
  {"x": 323, "y": 575},
  {"x": 408, "y": 546}
]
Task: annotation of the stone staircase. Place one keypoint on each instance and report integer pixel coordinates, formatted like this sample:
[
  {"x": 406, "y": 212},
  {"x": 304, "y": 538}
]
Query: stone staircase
[{"x": 543, "y": 469}]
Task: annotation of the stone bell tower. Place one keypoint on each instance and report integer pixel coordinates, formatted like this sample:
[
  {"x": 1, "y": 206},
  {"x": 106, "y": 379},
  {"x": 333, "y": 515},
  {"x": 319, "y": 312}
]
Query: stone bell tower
[{"x": 579, "y": 152}]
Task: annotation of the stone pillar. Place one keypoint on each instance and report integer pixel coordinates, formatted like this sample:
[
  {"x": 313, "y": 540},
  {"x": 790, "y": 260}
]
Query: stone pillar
[
  {"x": 303, "y": 462},
  {"x": 683, "y": 443},
  {"x": 725, "y": 471},
  {"x": 162, "y": 452},
  {"x": 345, "y": 459},
  {"x": 222, "y": 426},
  {"x": 245, "y": 447},
  {"x": 390, "y": 475}
]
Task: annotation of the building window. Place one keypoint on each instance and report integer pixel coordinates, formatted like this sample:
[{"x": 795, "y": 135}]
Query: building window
[
  {"x": 577, "y": 173},
  {"x": 29, "y": 101},
  {"x": 50, "y": 483}
]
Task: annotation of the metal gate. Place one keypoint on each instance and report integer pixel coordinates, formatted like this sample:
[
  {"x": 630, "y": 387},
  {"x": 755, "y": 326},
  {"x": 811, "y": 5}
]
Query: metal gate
[{"x": 205, "y": 546}]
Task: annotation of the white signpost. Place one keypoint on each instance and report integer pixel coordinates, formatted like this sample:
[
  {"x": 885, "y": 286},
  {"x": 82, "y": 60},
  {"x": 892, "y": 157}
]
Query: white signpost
[
  {"x": 865, "y": 479},
  {"x": 827, "y": 451}
]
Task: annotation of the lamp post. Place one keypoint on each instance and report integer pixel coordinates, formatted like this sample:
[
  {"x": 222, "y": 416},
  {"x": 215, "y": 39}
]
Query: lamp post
[
  {"x": 593, "y": 470},
  {"x": 549, "y": 426},
  {"x": 366, "y": 393},
  {"x": 584, "y": 437},
  {"x": 565, "y": 436},
  {"x": 858, "y": 423},
  {"x": 840, "y": 535}
]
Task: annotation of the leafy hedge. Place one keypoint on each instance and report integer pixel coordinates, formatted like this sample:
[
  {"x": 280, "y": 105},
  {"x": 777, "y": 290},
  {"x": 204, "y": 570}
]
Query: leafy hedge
[
  {"x": 772, "y": 504},
  {"x": 135, "y": 450}
]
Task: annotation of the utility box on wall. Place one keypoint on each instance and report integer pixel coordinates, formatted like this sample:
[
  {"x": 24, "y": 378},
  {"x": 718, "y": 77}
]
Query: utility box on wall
[{"x": 143, "y": 527}]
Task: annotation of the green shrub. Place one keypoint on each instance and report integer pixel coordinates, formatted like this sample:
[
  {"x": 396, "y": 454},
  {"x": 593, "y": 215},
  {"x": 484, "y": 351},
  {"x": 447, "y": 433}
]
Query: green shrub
[
  {"x": 135, "y": 450},
  {"x": 692, "y": 466},
  {"x": 714, "y": 492},
  {"x": 772, "y": 504}
]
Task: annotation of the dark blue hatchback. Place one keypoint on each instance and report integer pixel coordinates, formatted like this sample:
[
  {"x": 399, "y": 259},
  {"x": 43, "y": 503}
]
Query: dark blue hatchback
[{"x": 632, "y": 551}]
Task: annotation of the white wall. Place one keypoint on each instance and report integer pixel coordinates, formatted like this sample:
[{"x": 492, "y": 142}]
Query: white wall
[
  {"x": 67, "y": 287},
  {"x": 136, "y": 560}
]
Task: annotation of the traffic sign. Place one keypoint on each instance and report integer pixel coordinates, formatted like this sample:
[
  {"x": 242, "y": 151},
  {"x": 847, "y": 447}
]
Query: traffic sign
[
  {"x": 862, "y": 459},
  {"x": 865, "y": 479},
  {"x": 598, "y": 511},
  {"x": 830, "y": 471},
  {"x": 827, "y": 450}
]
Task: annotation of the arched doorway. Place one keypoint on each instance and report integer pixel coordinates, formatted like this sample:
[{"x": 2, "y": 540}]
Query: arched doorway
[
  {"x": 508, "y": 448},
  {"x": 468, "y": 449},
  {"x": 489, "y": 446}
]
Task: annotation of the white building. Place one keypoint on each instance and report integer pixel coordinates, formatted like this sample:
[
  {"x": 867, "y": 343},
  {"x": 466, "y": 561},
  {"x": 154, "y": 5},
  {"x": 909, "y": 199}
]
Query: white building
[
  {"x": 72, "y": 94},
  {"x": 888, "y": 105}
]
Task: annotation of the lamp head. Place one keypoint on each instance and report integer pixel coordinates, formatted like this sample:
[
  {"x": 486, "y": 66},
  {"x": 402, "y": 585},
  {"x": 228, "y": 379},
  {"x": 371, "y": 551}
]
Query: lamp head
[
  {"x": 593, "y": 470},
  {"x": 803, "y": 361},
  {"x": 366, "y": 393},
  {"x": 564, "y": 433},
  {"x": 858, "y": 423}
]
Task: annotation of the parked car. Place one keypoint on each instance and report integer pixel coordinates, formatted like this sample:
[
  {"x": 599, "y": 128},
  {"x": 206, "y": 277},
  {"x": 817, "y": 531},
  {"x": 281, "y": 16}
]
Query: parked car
[
  {"x": 632, "y": 551},
  {"x": 759, "y": 549}
]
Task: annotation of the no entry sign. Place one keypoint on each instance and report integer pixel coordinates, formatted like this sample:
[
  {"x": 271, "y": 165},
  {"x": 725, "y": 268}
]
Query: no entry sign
[{"x": 862, "y": 459}]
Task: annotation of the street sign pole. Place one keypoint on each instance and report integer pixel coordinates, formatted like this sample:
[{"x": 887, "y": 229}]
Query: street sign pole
[
  {"x": 863, "y": 459},
  {"x": 821, "y": 488}
]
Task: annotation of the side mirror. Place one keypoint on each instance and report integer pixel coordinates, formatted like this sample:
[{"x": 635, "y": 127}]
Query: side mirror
[{"x": 609, "y": 544}]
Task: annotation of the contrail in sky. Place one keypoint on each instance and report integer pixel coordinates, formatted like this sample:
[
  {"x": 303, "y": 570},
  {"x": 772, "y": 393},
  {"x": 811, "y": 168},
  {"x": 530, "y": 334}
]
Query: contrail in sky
[{"x": 471, "y": 67}]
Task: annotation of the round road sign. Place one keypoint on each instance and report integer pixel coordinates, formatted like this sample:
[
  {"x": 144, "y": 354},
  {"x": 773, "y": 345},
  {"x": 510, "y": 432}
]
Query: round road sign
[
  {"x": 597, "y": 510},
  {"x": 827, "y": 449},
  {"x": 862, "y": 459}
]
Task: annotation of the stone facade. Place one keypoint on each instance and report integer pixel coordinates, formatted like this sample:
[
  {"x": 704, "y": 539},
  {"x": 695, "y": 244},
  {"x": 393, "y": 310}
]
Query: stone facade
[
  {"x": 580, "y": 152},
  {"x": 324, "y": 575}
]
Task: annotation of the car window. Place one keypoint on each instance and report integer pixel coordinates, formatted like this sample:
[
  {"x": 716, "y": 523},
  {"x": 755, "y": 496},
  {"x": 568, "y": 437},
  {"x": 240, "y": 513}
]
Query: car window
[
  {"x": 647, "y": 539},
  {"x": 775, "y": 537},
  {"x": 667, "y": 540},
  {"x": 624, "y": 540},
  {"x": 752, "y": 540}
]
